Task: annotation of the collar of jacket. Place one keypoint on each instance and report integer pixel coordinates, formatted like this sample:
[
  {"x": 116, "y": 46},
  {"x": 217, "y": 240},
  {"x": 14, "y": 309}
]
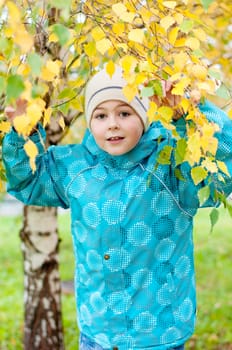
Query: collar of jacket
[{"x": 148, "y": 143}]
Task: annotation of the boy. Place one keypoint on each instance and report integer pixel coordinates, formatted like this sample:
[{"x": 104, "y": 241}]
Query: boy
[{"x": 131, "y": 218}]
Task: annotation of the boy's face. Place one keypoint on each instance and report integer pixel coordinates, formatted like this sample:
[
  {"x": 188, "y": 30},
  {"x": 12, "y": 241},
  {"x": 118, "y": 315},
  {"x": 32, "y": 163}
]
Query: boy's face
[{"x": 116, "y": 127}]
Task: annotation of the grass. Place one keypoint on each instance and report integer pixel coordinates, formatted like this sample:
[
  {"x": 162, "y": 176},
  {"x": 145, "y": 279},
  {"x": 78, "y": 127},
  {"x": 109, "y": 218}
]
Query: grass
[{"x": 213, "y": 272}]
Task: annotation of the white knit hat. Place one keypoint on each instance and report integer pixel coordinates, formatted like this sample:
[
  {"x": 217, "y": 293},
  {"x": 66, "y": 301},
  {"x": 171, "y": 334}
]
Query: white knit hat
[{"x": 102, "y": 87}]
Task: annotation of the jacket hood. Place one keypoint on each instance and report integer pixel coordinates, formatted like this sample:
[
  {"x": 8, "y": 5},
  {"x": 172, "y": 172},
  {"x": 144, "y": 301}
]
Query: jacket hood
[{"x": 146, "y": 145}]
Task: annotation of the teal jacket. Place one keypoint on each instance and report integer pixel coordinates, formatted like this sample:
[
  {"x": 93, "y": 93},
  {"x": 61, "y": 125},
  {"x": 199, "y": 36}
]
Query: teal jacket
[{"x": 132, "y": 224}]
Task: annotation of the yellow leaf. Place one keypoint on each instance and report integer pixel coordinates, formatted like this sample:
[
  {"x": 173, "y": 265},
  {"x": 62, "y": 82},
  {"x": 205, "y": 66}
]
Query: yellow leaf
[
  {"x": 200, "y": 34},
  {"x": 62, "y": 123},
  {"x": 136, "y": 35},
  {"x": 14, "y": 13},
  {"x": 128, "y": 63},
  {"x": 2, "y": 186},
  {"x": 210, "y": 165},
  {"x": 209, "y": 144},
  {"x": 130, "y": 91},
  {"x": 90, "y": 49},
  {"x": 47, "y": 116},
  {"x": 185, "y": 103},
  {"x": 118, "y": 28},
  {"x": 8, "y": 32},
  {"x": 51, "y": 70},
  {"x": 147, "y": 66},
  {"x": 199, "y": 71},
  {"x": 180, "y": 87},
  {"x": 152, "y": 112},
  {"x": 167, "y": 22},
  {"x": 230, "y": 113},
  {"x": 170, "y": 4},
  {"x": 166, "y": 113},
  {"x": 103, "y": 45},
  {"x": 122, "y": 46},
  {"x": 192, "y": 43},
  {"x": 193, "y": 151},
  {"x": 53, "y": 38},
  {"x": 179, "y": 18},
  {"x": 198, "y": 174},
  {"x": 78, "y": 103},
  {"x": 110, "y": 68},
  {"x": 121, "y": 11},
  {"x": 24, "y": 69},
  {"x": 22, "y": 124},
  {"x": 180, "y": 42},
  {"x": 32, "y": 151},
  {"x": 5, "y": 127},
  {"x": 119, "y": 8},
  {"x": 172, "y": 36},
  {"x": 222, "y": 166},
  {"x": 208, "y": 86},
  {"x": 127, "y": 17},
  {"x": 35, "y": 111},
  {"x": 23, "y": 38},
  {"x": 140, "y": 78},
  {"x": 26, "y": 95},
  {"x": 180, "y": 60},
  {"x": 145, "y": 14},
  {"x": 97, "y": 33}
]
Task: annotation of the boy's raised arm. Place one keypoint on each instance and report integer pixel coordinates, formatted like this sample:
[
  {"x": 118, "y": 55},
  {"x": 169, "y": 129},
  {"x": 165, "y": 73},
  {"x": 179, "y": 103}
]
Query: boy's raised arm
[{"x": 32, "y": 188}]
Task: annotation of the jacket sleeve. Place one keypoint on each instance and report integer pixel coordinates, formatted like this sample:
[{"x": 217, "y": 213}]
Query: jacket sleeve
[
  {"x": 224, "y": 150},
  {"x": 219, "y": 182},
  {"x": 45, "y": 186}
]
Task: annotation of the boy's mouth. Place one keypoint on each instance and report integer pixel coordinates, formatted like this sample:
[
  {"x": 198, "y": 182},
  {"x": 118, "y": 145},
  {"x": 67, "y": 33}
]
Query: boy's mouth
[{"x": 115, "y": 138}]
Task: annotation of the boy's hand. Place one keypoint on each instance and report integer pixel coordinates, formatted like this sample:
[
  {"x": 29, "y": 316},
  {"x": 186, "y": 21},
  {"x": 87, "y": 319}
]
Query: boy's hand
[
  {"x": 173, "y": 101},
  {"x": 169, "y": 99},
  {"x": 12, "y": 112}
]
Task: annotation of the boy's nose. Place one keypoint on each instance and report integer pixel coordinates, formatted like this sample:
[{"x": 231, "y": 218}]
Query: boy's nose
[{"x": 113, "y": 123}]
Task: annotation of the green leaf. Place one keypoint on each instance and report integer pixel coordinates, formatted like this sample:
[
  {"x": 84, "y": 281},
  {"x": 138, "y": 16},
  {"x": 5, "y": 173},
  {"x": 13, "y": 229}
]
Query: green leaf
[
  {"x": 61, "y": 4},
  {"x": 3, "y": 175},
  {"x": 203, "y": 194},
  {"x": 214, "y": 216},
  {"x": 147, "y": 91},
  {"x": 179, "y": 175},
  {"x": 165, "y": 155},
  {"x": 206, "y": 3},
  {"x": 67, "y": 94},
  {"x": 2, "y": 85},
  {"x": 223, "y": 92},
  {"x": 229, "y": 207},
  {"x": 35, "y": 62},
  {"x": 62, "y": 33},
  {"x": 4, "y": 44},
  {"x": 214, "y": 74},
  {"x": 156, "y": 86},
  {"x": 180, "y": 151},
  {"x": 15, "y": 86},
  {"x": 198, "y": 174},
  {"x": 186, "y": 26},
  {"x": 37, "y": 90}
]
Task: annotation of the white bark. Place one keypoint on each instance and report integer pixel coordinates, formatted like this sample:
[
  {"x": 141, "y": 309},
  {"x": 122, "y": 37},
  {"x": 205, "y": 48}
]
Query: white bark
[{"x": 42, "y": 297}]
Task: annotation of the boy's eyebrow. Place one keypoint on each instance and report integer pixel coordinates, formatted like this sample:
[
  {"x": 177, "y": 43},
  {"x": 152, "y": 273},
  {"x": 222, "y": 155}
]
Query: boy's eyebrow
[
  {"x": 119, "y": 105},
  {"x": 124, "y": 105}
]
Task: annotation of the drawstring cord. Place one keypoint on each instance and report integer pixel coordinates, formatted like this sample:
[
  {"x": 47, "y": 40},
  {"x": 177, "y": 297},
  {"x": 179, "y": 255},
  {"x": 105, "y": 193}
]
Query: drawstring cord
[{"x": 168, "y": 190}]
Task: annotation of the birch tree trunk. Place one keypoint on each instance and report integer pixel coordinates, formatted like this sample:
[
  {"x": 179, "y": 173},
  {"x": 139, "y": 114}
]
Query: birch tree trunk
[
  {"x": 42, "y": 287},
  {"x": 39, "y": 235}
]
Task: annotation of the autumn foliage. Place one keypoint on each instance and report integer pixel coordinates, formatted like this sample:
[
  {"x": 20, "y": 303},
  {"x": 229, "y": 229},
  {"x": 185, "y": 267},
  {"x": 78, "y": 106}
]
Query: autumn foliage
[{"x": 185, "y": 42}]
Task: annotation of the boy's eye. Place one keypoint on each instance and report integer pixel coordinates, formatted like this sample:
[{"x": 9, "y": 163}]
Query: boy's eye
[
  {"x": 124, "y": 114},
  {"x": 100, "y": 116}
]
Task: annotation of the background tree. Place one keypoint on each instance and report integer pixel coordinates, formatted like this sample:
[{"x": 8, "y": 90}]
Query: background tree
[{"x": 48, "y": 51}]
